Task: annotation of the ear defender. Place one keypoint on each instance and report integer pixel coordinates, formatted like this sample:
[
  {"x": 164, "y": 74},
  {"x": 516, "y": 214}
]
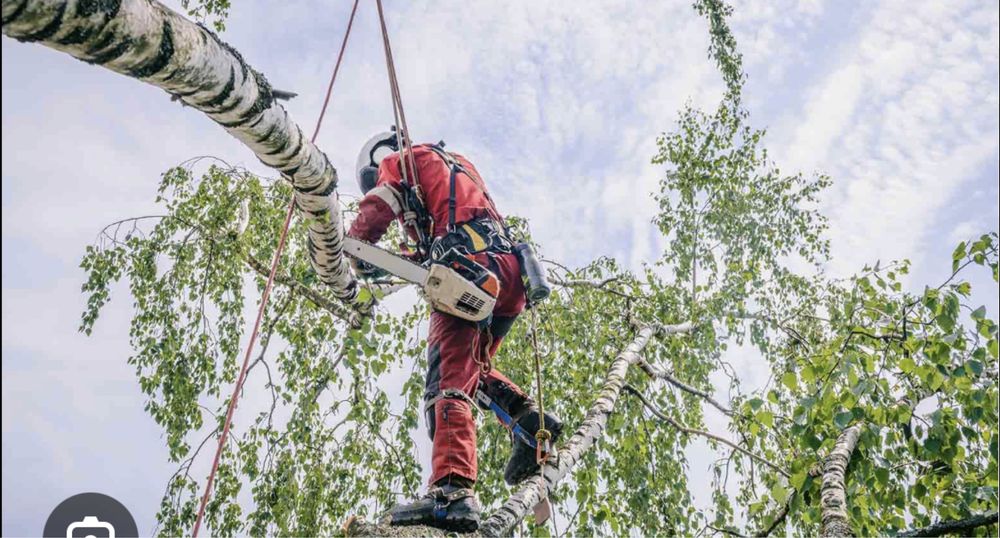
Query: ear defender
[{"x": 367, "y": 178}]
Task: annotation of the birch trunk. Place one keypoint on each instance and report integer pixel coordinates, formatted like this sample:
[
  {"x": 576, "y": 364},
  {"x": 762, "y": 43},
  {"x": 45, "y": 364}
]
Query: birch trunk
[
  {"x": 538, "y": 487},
  {"x": 145, "y": 40},
  {"x": 833, "y": 494}
]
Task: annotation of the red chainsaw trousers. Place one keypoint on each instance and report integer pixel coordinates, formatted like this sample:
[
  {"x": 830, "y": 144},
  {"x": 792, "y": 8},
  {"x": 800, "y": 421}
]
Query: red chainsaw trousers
[{"x": 453, "y": 348}]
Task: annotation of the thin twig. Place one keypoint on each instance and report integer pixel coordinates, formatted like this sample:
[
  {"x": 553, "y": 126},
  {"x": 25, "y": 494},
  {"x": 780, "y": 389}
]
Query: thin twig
[{"x": 693, "y": 431}]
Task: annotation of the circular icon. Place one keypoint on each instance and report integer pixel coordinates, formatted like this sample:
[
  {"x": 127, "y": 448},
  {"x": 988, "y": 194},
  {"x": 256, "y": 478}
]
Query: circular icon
[{"x": 90, "y": 515}]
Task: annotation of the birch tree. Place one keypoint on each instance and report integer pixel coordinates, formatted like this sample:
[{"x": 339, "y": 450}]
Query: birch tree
[{"x": 879, "y": 417}]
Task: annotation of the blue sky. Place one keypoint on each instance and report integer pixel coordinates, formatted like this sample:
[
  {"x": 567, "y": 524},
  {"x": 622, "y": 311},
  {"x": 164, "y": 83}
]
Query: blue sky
[{"x": 558, "y": 104}]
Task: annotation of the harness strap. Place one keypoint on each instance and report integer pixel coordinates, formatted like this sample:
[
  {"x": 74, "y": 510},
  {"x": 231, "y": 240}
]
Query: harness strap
[
  {"x": 451, "y": 197},
  {"x": 484, "y": 401},
  {"x": 416, "y": 216},
  {"x": 448, "y": 394},
  {"x": 509, "y": 422},
  {"x": 454, "y": 168}
]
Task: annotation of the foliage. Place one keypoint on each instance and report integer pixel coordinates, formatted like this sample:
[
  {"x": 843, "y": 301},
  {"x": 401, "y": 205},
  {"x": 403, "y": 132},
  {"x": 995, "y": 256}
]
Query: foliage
[
  {"x": 214, "y": 11},
  {"x": 325, "y": 419}
]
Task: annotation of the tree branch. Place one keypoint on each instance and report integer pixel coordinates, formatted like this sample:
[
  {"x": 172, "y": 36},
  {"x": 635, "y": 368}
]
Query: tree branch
[
  {"x": 600, "y": 285},
  {"x": 790, "y": 331},
  {"x": 536, "y": 488},
  {"x": 583, "y": 283},
  {"x": 337, "y": 310},
  {"x": 666, "y": 376},
  {"x": 958, "y": 526},
  {"x": 191, "y": 63},
  {"x": 833, "y": 491},
  {"x": 708, "y": 435},
  {"x": 779, "y": 518}
]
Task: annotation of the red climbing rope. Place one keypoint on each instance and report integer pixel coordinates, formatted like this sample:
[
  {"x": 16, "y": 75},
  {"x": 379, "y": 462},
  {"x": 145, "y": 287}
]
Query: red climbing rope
[
  {"x": 266, "y": 294},
  {"x": 403, "y": 139}
]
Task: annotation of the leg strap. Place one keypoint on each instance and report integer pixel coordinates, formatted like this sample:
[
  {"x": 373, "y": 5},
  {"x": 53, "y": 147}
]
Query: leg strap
[
  {"x": 447, "y": 394},
  {"x": 506, "y": 419},
  {"x": 431, "y": 400},
  {"x": 484, "y": 401}
]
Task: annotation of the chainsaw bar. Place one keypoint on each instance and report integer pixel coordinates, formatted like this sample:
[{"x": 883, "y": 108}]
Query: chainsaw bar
[{"x": 383, "y": 259}]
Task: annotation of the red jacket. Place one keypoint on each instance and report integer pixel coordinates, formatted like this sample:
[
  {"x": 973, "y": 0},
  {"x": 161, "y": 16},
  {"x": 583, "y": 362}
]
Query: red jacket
[{"x": 384, "y": 203}]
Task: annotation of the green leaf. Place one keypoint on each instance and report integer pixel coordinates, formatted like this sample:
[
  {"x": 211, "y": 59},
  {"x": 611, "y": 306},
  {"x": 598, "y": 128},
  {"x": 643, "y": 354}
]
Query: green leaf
[
  {"x": 808, "y": 374},
  {"x": 882, "y": 475},
  {"x": 789, "y": 380},
  {"x": 779, "y": 493},
  {"x": 843, "y": 419},
  {"x": 766, "y": 418},
  {"x": 799, "y": 479},
  {"x": 957, "y": 256}
]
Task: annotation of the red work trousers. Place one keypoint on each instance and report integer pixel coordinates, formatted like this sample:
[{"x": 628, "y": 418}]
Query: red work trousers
[{"x": 452, "y": 347}]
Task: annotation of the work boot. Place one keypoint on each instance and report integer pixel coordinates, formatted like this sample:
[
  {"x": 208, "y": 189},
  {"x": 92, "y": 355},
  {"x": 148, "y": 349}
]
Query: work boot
[
  {"x": 523, "y": 460},
  {"x": 447, "y": 507}
]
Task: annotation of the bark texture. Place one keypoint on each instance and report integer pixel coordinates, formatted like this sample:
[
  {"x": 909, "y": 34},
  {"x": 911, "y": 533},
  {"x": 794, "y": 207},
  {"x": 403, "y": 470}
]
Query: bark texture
[
  {"x": 536, "y": 488},
  {"x": 833, "y": 496},
  {"x": 145, "y": 40}
]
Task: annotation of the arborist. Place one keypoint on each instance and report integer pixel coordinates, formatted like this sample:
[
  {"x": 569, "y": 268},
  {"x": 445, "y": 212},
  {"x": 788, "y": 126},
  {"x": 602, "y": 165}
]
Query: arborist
[{"x": 442, "y": 202}]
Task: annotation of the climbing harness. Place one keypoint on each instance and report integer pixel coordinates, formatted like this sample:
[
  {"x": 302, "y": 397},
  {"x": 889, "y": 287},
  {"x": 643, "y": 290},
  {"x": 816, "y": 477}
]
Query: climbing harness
[{"x": 267, "y": 292}]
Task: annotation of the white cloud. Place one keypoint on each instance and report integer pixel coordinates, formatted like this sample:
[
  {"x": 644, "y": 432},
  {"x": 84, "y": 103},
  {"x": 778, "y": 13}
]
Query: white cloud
[{"x": 907, "y": 118}]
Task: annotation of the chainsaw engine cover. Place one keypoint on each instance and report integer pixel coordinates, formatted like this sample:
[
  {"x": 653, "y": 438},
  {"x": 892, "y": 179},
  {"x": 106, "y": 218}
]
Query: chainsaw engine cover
[{"x": 459, "y": 286}]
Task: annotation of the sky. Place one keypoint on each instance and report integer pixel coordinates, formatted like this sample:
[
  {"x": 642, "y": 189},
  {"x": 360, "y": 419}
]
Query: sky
[{"x": 557, "y": 103}]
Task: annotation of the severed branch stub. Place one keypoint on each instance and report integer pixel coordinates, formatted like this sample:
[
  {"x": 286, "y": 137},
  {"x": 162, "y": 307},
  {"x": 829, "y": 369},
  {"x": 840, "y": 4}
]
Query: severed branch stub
[{"x": 536, "y": 488}]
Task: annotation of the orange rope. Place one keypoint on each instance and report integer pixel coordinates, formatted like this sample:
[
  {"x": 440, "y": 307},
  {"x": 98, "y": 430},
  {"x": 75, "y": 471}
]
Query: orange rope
[{"x": 266, "y": 294}]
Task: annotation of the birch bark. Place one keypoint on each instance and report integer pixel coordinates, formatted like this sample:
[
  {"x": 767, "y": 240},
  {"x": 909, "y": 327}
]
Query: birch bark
[
  {"x": 147, "y": 41},
  {"x": 833, "y": 495},
  {"x": 536, "y": 488}
]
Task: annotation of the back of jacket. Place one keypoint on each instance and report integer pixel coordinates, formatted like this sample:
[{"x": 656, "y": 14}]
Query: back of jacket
[{"x": 384, "y": 203}]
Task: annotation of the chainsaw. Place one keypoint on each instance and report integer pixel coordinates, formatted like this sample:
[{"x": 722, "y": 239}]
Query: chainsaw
[{"x": 452, "y": 282}]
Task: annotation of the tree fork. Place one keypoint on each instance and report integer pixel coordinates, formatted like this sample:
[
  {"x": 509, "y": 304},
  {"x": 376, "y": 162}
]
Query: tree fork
[{"x": 145, "y": 40}]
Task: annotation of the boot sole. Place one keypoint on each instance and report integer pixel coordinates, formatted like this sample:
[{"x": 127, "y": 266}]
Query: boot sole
[{"x": 453, "y": 525}]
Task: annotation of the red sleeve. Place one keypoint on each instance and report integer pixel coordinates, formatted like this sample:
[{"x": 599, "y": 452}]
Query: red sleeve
[{"x": 380, "y": 206}]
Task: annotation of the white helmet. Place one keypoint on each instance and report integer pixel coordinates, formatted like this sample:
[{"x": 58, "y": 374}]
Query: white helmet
[{"x": 375, "y": 149}]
